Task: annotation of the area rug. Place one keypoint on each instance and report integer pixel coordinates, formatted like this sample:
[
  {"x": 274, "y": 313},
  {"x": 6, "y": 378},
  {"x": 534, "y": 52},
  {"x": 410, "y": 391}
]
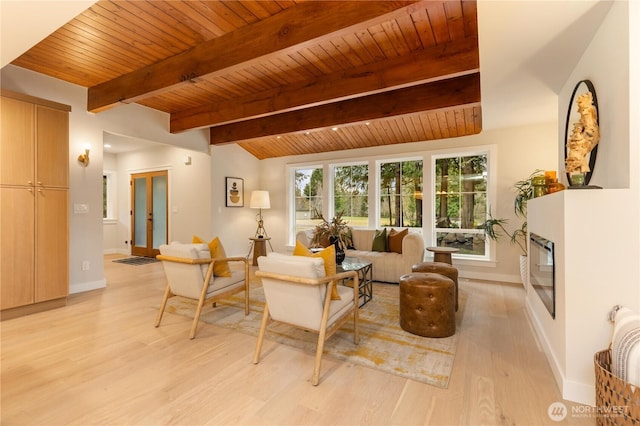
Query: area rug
[
  {"x": 135, "y": 261},
  {"x": 383, "y": 344}
]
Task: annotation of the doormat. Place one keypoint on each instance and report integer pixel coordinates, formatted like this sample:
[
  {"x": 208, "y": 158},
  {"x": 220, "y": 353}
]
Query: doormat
[{"x": 136, "y": 261}]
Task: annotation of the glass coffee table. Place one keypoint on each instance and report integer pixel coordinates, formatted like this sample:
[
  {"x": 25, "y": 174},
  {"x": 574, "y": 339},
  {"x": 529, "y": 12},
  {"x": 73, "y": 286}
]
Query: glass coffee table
[{"x": 364, "y": 269}]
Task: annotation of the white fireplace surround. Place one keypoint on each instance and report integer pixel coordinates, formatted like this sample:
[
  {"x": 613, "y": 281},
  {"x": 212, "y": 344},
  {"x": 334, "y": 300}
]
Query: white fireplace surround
[{"x": 591, "y": 277}]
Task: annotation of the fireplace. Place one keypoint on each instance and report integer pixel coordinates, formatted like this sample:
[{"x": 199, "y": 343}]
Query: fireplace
[{"x": 542, "y": 271}]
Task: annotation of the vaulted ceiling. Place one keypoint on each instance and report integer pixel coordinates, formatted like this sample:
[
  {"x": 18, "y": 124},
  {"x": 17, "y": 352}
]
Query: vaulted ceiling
[{"x": 279, "y": 77}]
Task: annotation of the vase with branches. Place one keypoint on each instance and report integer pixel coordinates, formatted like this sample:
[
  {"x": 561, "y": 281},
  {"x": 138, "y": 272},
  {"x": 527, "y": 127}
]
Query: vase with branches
[{"x": 336, "y": 232}]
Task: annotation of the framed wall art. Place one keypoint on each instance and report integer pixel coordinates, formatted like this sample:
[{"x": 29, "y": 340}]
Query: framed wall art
[{"x": 234, "y": 192}]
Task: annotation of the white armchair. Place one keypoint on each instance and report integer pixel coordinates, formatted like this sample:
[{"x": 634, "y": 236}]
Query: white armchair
[
  {"x": 298, "y": 293},
  {"x": 189, "y": 271}
]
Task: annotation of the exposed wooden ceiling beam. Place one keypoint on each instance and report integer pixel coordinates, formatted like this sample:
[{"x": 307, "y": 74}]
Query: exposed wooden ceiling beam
[
  {"x": 306, "y": 24},
  {"x": 435, "y": 63},
  {"x": 459, "y": 91}
]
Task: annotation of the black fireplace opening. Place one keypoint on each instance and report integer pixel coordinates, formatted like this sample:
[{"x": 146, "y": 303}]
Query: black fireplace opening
[{"x": 542, "y": 272}]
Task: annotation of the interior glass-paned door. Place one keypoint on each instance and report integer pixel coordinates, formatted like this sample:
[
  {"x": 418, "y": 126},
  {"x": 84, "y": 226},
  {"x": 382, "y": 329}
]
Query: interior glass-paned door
[{"x": 149, "y": 213}]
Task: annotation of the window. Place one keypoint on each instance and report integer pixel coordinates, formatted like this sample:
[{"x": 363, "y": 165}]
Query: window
[
  {"x": 457, "y": 197},
  {"x": 108, "y": 195},
  {"x": 351, "y": 193},
  {"x": 401, "y": 194},
  {"x": 460, "y": 202},
  {"x": 308, "y": 184}
]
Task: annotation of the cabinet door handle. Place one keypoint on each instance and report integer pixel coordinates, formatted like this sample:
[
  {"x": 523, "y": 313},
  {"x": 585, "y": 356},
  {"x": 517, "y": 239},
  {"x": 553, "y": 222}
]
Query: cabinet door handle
[
  {"x": 39, "y": 183},
  {"x": 29, "y": 182}
]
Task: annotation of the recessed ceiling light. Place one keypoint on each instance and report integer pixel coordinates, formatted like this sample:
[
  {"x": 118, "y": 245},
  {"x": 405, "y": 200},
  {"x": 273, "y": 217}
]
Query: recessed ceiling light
[
  {"x": 306, "y": 133},
  {"x": 106, "y": 145},
  {"x": 277, "y": 137},
  {"x": 366, "y": 123},
  {"x": 335, "y": 129}
]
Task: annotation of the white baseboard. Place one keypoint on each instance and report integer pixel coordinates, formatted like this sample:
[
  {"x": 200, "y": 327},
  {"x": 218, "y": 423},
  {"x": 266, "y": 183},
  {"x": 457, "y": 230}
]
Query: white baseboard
[
  {"x": 87, "y": 286},
  {"x": 579, "y": 392},
  {"x": 582, "y": 393},
  {"x": 116, "y": 251},
  {"x": 488, "y": 276}
]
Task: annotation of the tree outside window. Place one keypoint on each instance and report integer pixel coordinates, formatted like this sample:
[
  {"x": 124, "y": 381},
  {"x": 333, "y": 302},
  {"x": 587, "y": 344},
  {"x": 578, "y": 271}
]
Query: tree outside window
[
  {"x": 460, "y": 203},
  {"x": 401, "y": 194},
  {"x": 350, "y": 193},
  {"x": 308, "y": 197}
]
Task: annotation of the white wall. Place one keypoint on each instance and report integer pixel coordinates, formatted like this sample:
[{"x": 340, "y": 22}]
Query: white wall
[
  {"x": 234, "y": 225},
  {"x": 596, "y": 255},
  {"x": 197, "y": 195},
  {"x": 110, "y": 227},
  {"x": 85, "y": 184},
  {"x": 521, "y": 150},
  {"x": 189, "y": 187}
]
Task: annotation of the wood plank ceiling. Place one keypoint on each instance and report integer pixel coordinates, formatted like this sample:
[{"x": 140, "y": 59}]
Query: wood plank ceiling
[{"x": 283, "y": 77}]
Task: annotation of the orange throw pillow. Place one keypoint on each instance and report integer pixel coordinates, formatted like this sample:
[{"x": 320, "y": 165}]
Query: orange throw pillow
[
  {"x": 329, "y": 257},
  {"x": 395, "y": 240},
  {"x": 220, "y": 269}
]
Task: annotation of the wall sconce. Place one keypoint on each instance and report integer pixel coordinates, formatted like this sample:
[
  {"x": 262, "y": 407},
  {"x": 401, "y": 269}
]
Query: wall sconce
[{"x": 84, "y": 158}]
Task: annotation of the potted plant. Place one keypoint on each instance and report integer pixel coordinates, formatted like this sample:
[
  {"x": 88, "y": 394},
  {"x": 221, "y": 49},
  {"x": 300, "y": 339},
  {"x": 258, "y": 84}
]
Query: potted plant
[
  {"x": 336, "y": 232},
  {"x": 495, "y": 228}
]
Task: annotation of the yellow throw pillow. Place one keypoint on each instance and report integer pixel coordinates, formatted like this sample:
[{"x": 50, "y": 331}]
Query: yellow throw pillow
[
  {"x": 329, "y": 257},
  {"x": 395, "y": 240},
  {"x": 220, "y": 269}
]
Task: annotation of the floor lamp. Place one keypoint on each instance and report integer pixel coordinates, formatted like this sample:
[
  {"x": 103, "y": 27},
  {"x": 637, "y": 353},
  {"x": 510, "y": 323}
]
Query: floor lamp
[{"x": 260, "y": 200}]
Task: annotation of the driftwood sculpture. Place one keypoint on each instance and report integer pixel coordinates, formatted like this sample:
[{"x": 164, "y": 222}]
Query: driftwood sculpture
[{"x": 584, "y": 137}]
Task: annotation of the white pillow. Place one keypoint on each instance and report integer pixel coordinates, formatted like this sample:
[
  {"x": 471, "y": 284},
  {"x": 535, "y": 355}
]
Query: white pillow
[
  {"x": 625, "y": 347},
  {"x": 300, "y": 266}
]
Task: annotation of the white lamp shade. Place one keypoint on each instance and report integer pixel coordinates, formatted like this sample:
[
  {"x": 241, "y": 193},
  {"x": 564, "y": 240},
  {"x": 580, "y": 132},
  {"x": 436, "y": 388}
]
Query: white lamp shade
[{"x": 260, "y": 200}]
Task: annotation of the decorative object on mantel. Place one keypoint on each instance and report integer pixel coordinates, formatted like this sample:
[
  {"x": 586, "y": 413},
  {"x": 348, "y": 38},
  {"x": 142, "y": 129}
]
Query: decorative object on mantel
[
  {"x": 552, "y": 182},
  {"x": 545, "y": 184},
  {"x": 539, "y": 183},
  {"x": 581, "y": 146}
]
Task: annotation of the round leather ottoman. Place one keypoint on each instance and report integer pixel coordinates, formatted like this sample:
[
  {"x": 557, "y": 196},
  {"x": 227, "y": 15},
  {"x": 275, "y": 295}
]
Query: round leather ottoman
[
  {"x": 439, "y": 268},
  {"x": 427, "y": 306}
]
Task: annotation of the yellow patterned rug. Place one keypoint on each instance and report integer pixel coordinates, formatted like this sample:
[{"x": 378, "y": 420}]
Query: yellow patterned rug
[{"x": 383, "y": 344}]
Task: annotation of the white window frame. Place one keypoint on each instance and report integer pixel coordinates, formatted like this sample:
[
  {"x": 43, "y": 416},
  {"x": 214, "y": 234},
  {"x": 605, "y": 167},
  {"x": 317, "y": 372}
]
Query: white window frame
[
  {"x": 331, "y": 194},
  {"x": 291, "y": 195},
  {"x": 378, "y": 194},
  {"x": 492, "y": 161},
  {"x": 428, "y": 186}
]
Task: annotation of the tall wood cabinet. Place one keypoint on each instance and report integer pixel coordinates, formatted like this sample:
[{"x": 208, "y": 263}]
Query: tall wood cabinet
[{"x": 34, "y": 204}]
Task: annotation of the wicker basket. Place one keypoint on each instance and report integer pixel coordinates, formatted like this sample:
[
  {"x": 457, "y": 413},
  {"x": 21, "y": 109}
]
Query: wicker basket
[{"x": 617, "y": 402}]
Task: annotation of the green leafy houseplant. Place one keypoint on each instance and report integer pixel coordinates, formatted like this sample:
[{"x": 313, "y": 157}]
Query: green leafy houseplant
[
  {"x": 495, "y": 228},
  {"x": 328, "y": 232}
]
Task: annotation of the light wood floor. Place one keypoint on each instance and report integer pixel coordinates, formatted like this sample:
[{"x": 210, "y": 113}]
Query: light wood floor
[{"x": 99, "y": 360}]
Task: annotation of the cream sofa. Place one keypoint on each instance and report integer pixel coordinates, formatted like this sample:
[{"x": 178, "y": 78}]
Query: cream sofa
[{"x": 387, "y": 266}]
